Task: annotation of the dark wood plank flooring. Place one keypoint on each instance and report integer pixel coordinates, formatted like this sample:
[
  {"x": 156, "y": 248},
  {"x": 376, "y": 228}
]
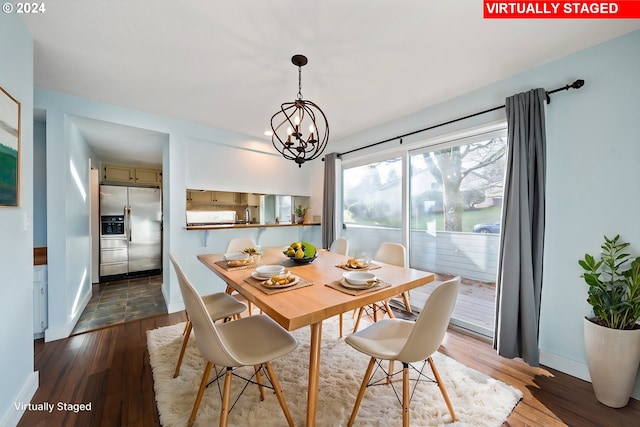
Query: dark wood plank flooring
[{"x": 109, "y": 368}]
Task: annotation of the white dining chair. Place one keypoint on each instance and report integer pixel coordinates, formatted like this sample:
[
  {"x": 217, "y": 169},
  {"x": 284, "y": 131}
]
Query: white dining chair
[
  {"x": 249, "y": 341},
  {"x": 389, "y": 253},
  {"x": 407, "y": 342},
  {"x": 394, "y": 253},
  {"x": 239, "y": 244},
  {"x": 219, "y": 306},
  {"x": 340, "y": 246}
]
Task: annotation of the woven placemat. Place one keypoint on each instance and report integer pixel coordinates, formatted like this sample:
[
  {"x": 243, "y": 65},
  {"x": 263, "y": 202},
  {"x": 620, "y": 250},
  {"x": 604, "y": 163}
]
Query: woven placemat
[
  {"x": 270, "y": 291},
  {"x": 355, "y": 292},
  {"x": 225, "y": 265},
  {"x": 370, "y": 266}
]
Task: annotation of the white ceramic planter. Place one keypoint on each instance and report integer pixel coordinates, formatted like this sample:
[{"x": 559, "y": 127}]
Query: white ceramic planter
[{"x": 613, "y": 357}]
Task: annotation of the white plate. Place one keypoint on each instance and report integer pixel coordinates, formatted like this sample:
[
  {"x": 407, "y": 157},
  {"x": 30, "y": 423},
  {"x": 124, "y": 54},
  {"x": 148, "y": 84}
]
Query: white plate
[
  {"x": 295, "y": 281},
  {"x": 348, "y": 285}
]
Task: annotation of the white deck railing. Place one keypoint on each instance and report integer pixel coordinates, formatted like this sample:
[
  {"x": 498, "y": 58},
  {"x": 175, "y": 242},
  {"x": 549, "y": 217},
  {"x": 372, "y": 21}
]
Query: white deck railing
[{"x": 470, "y": 255}]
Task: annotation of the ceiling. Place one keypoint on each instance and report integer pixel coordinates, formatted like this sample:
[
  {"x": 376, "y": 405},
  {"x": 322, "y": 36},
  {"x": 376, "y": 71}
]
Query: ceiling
[{"x": 227, "y": 64}]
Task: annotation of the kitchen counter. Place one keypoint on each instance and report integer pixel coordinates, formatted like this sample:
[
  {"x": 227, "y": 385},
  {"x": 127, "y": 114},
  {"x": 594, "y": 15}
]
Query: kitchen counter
[
  {"x": 40, "y": 256},
  {"x": 229, "y": 226}
]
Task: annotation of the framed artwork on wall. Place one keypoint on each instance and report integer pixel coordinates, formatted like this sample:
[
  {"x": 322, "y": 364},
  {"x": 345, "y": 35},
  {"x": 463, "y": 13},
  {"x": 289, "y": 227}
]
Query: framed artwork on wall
[{"x": 9, "y": 150}]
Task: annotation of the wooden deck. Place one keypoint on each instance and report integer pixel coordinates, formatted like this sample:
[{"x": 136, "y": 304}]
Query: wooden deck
[{"x": 474, "y": 308}]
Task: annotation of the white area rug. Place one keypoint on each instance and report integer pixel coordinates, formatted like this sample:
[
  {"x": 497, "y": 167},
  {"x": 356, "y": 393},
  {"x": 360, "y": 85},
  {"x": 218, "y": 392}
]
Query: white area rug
[{"x": 477, "y": 399}]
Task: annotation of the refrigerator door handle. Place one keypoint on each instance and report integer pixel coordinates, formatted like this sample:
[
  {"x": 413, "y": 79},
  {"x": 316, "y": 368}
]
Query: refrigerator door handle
[{"x": 127, "y": 223}]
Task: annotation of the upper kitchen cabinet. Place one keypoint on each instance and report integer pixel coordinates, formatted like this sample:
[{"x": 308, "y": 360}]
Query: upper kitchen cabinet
[
  {"x": 225, "y": 198},
  {"x": 148, "y": 176},
  {"x": 132, "y": 175},
  {"x": 213, "y": 198},
  {"x": 249, "y": 199}
]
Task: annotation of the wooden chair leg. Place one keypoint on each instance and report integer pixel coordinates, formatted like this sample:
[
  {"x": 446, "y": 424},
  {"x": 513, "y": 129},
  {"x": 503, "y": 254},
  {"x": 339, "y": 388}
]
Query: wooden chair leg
[
  {"x": 355, "y": 327},
  {"x": 405, "y": 395},
  {"x": 259, "y": 381},
  {"x": 276, "y": 388},
  {"x": 203, "y": 384},
  {"x": 405, "y": 298},
  {"x": 390, "y": 371},
  {"x": 226, "y": 393},
  {"x": 340, "y": 325},
  {"x": 363, "y": 387},
  {"x": 185, "y": 341},
  {"x": 442, "y": 389},
  {"x": 186, "y": 325},
  {"x": 389, "y": 312}
]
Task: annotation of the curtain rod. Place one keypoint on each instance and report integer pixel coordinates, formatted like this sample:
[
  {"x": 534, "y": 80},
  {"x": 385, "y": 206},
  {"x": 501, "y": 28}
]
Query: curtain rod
[{"x": 575, "y": 85}]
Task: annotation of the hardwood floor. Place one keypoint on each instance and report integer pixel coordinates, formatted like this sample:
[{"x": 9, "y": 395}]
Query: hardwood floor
[{"x": 109, "y": 368}]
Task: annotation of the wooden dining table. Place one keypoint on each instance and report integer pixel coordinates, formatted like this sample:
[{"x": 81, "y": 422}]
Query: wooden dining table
[{"x": 311, "y": 305}]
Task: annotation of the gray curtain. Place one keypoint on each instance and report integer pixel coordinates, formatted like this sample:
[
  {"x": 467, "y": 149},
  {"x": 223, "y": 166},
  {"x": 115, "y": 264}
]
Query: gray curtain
[
  {"x": 519, "y": 283},
  {"x": 329, "y": 200}
]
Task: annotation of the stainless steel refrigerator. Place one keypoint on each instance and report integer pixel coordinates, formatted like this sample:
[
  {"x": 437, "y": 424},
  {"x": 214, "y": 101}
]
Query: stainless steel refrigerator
[{"x": 130, "y": 231}]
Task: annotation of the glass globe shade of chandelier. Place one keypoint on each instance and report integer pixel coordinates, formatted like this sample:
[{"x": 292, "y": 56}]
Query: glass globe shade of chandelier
[{"x": 290, "y": 123}]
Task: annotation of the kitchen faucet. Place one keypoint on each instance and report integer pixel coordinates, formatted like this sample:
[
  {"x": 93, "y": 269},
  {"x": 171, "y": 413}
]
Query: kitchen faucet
[{"x": 247, "y": 216}]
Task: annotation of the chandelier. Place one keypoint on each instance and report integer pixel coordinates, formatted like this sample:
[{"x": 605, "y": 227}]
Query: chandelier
[{"x": 293, "y": 119}]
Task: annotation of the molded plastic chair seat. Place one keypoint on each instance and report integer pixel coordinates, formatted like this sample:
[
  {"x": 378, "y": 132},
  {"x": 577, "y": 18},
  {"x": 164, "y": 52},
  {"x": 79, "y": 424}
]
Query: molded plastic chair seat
[
  {"x": 407, "y": 342},
  {"x": 383, "y": 339},
  {"x": 254, "y": 340},
  {"x": 219, "y": 306}
]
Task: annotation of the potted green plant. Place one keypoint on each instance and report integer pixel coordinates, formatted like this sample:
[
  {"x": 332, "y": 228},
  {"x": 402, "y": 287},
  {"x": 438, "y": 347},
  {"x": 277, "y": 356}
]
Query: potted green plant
[
  {"x": 300, "y": 212},
  {"x": 612, "y": 335}
]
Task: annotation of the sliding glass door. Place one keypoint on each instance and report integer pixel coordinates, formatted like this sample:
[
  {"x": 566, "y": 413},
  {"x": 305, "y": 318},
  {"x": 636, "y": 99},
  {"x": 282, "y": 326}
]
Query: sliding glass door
[
  {"x": 443, "y": 201},
  {"x": 455, "y": 211}
]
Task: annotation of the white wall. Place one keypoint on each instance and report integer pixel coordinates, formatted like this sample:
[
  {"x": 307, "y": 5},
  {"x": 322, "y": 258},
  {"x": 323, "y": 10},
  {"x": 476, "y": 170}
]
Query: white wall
[
  {"x": 593, "y": 143},
  {"x": 18, "y": 381}
]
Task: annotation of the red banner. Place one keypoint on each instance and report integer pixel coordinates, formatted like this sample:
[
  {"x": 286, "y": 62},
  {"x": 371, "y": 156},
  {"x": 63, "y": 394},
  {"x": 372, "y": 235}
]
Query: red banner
[{"x": 627, "y": 9}]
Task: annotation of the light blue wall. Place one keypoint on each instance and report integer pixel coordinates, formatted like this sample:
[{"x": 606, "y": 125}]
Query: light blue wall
[
  {"x": 39, "y": 184},
  {"x": 593, "y": 143},
  {"x": 18, "y": 381},
  {"x": 193, "y": 157}
]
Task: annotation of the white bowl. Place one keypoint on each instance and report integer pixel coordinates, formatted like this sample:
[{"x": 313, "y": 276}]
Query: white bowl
[
  {"x": 268, "y": 271},
  {"x": 236, "y": 256},
  {"x": 358, "y": 277}
]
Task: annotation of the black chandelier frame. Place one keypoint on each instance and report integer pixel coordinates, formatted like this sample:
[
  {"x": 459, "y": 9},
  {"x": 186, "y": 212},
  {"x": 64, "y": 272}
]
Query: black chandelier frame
[{"x": 290, "y": 120}]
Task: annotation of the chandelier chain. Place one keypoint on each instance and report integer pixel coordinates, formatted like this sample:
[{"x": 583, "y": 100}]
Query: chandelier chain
[{"x": 299, "y": 82}]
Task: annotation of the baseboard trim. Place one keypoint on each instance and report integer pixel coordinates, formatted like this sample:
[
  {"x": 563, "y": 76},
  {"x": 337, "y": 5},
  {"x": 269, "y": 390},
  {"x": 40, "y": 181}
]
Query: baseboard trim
[
  {"x": 64, "y": 331},
  {"x": 13, "y": 415},
  {"x": 564, "y": 364},
  {"x": 576, "y": 369}
]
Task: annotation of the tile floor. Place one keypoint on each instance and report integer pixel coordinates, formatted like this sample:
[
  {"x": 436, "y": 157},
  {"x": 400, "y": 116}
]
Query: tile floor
[{"x": 120, "y": 301}]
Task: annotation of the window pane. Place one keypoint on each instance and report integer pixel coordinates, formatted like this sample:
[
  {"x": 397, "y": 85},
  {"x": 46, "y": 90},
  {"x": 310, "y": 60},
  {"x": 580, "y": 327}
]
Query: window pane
[
  {"x": 372, "y": 205},
  {"x": 455, "y": 211}
]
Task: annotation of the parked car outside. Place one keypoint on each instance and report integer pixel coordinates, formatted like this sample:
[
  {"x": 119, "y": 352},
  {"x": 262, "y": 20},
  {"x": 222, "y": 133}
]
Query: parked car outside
[{"x": 487, "y": 227}]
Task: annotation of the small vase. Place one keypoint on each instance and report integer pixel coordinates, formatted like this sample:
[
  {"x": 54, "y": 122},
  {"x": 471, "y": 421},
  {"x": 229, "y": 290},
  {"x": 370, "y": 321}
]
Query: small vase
[
  {"x": 612, "y": 356},
  {"x": 299, "y": 219}
]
